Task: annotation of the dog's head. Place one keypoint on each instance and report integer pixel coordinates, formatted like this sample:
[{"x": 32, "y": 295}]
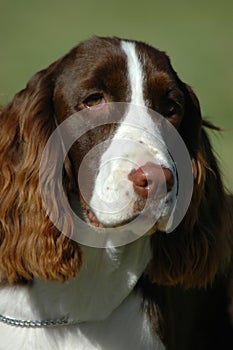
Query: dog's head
[
  {"x": 122, "y": 82},
  {"x": 131, "y": 165}
]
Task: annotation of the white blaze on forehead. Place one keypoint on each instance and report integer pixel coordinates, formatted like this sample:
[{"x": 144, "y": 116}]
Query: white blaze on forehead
[
  {"x": 137, "y": 140},
  {"x": 135, "y": 73}
]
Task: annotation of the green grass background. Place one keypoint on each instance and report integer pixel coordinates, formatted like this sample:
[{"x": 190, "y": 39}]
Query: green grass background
[{"x": 197, "y": 35}]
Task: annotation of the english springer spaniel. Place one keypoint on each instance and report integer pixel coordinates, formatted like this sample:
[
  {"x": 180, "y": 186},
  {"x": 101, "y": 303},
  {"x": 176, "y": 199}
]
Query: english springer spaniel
[{"x": 115, "y": 228}]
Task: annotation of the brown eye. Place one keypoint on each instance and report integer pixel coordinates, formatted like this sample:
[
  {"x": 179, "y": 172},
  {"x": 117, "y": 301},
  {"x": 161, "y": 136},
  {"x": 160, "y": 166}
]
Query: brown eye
[
  {"x": 171, "y": 109},
  {"x": 94, "y": 101}
]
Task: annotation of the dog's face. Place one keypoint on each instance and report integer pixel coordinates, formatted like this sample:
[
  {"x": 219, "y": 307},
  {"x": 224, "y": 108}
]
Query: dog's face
[
  {"x": 134, "y": 165},
  {"x": 123, "y": 92}
]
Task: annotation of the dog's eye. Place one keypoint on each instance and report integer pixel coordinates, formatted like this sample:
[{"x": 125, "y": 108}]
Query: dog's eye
[
  {"x": 94, "y": 101},
  {"x": 171, "y": 109}
]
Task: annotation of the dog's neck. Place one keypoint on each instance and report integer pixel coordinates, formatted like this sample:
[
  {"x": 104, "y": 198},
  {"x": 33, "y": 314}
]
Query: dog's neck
[{"x": 106, "y": 278}]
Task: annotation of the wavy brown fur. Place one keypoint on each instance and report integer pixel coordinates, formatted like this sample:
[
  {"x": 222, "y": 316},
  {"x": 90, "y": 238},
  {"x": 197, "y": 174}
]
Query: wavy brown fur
[{"x": 25, "y": 126}]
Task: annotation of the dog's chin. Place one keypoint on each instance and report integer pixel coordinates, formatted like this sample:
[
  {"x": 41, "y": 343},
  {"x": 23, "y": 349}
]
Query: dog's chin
[
  {"x": 141, "y": 213},
  {"x": 93, "y": 220},
  {"x": 159, "y": 224}
]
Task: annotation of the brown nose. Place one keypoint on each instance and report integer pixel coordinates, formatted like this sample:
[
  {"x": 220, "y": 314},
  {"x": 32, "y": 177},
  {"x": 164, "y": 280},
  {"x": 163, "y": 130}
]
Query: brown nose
[{"x": 149, "y": 180}]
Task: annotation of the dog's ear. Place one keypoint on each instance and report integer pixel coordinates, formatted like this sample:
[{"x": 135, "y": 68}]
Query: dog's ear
[
  {"x": 201, "y": 245},
  {"x": 30, "y": 244},
  {"x": 190, "y": 127}
]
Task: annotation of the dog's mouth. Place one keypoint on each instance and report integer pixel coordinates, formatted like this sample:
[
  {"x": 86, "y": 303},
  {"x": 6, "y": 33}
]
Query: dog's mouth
[
  {"x": 92, "y": 219},
  {"x": 148, "y": 204}
]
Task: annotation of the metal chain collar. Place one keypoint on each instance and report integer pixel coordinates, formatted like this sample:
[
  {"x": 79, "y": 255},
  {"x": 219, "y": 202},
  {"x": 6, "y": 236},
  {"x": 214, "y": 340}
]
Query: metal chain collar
[{"x": 63, "y": 321}]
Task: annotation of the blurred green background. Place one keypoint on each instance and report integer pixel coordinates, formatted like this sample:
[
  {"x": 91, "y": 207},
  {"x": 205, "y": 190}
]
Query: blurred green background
[{"x": 197, "y": 35}]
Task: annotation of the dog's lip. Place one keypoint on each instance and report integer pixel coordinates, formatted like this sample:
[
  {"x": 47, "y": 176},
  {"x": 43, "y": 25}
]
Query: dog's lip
[
  {"x": 93, "y": 219},
  {"x": 95, "y": 222}
]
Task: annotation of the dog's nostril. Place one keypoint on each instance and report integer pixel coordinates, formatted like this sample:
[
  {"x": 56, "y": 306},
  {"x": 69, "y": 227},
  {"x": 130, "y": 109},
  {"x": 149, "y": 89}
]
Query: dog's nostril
[{"x": 148, "y": 182}]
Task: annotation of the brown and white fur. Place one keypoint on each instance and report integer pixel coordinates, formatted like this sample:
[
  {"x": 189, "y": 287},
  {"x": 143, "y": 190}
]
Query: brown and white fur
[{"x": 114, "y": 297}]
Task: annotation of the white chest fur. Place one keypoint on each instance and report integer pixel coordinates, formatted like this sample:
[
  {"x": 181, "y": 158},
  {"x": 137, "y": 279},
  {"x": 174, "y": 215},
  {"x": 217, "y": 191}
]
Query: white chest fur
[
  {"x": 100, "y": 299},
  {"x": 127, "y": 328}
]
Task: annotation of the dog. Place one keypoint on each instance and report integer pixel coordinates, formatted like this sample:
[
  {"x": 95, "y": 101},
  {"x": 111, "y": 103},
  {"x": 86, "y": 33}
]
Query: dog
[{"x": 115, "y": 227}]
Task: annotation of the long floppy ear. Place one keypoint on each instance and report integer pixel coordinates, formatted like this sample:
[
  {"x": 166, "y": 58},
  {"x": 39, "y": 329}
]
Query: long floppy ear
[
  {"x": 30, "y": 245},
  {"x": 201, "y": 246}
]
